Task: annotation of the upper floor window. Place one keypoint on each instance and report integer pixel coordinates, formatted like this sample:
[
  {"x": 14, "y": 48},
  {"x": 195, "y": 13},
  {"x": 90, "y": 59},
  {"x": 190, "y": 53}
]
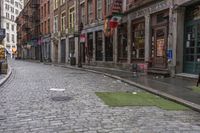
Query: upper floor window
[
  {"x": 71, "y": 18},
  {"x": 62, "y": 2},
  {"x": 63, "y": 21},
  {"x": 99, "y": 9},
  {"x": 108, "y": 6},
  {"x": 12, "y": 2},
  {"x": 83, "y": 13},
  {"x": 56, "y": 3},
  {"x": 90, "y": 13},
  {"x": 56, "y": 24},
  {"x": 7, "y": 26}
]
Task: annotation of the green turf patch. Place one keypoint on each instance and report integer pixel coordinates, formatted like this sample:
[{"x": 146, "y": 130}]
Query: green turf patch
[
  {"x": 196, "y": 89},
  {"x": 121, "y": 99}
]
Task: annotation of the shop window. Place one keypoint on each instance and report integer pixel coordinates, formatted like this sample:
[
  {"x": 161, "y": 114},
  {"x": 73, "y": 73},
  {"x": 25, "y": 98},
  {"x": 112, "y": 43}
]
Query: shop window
[
  {"x": 138, "y": 41},
  {"x": 122, "y": 43},
  {"x": 99, "y": 46}
]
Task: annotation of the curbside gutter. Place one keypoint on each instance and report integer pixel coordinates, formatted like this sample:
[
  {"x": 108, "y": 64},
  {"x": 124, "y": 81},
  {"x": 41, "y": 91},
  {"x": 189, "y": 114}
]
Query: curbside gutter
[
  {"x": 186, "y": 103},
  {"x": 2, "y": 81}
]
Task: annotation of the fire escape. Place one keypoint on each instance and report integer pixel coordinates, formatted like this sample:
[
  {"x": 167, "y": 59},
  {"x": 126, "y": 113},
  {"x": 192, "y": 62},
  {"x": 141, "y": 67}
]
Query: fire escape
[{"x": 35, "y": 19}]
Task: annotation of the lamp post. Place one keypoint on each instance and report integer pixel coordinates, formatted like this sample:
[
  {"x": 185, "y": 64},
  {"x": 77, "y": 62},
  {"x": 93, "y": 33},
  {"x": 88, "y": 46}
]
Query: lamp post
[{"x": 80, "y": 27}]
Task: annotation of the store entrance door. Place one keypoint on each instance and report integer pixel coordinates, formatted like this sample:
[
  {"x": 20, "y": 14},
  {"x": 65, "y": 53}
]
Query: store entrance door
[{"x": 160, "y": 47}]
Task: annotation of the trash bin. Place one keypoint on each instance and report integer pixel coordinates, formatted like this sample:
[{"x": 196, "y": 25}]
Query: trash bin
[{"x": 72, "y": 61}]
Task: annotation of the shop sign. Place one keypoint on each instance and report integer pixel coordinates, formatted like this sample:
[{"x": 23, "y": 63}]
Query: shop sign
[
  {"x": 117, "y": 6},
  {"x": 2, "y": 34},
  {"x": 160, "y": 47}
]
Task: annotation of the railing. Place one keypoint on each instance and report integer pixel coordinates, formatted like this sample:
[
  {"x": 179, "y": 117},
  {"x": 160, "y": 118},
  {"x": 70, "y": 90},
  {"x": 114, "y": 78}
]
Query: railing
[
  {"x": 26, "y": 27},
  {"x": 34, "y": 3}
]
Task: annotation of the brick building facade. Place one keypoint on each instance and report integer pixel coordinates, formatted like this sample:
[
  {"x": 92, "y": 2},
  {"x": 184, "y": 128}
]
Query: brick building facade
[
  {"x": 46, "y": 29},
  {"x": 159, "y": 37},
  {"x": 28, "y": 28}
]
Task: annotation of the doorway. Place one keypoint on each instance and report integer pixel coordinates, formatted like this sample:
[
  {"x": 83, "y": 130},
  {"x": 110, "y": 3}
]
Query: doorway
[
  {"x": 108, "y": 49},
  {"x": 63, "y": 51},
  {"x": 160, "y": 47}
]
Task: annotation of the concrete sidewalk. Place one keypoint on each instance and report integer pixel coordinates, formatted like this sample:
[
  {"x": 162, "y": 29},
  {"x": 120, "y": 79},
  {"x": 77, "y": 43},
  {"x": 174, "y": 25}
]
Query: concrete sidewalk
[{"x": 179, "y": 87}]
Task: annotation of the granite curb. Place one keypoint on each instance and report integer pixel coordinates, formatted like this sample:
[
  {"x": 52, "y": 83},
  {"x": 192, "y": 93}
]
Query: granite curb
[{"x": 2, "y": 81}]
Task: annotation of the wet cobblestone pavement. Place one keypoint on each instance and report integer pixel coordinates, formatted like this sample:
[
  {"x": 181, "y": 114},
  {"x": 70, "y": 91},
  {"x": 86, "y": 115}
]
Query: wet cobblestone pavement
[{"x": 28, "y": 106}]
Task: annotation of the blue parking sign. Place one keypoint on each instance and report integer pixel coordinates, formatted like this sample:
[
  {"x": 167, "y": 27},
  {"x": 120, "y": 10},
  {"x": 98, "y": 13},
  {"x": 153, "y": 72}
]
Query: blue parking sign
[{"x": 169, "y": 54}]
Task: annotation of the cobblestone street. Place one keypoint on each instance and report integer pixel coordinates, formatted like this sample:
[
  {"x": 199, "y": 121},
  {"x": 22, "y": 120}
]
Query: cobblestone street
[{"x": 29, "y": 106}]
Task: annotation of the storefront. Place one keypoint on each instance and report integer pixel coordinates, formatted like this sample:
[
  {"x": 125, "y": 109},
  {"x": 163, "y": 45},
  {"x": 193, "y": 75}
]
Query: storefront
[
  {"x": 191, "y": 52},
  {"x": 159, "y": 47},
  {"x": 138, "y": 40}
]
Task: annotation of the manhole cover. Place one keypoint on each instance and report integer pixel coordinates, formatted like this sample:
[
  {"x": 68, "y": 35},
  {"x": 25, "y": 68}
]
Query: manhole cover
[
  {"x": 2, "y": 117},
  {"x": 63, "y": 98}
]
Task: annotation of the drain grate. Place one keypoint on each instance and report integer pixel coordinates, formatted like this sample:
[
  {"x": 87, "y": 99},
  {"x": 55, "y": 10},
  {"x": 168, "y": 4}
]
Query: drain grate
[{"x": 61, "y": 98}]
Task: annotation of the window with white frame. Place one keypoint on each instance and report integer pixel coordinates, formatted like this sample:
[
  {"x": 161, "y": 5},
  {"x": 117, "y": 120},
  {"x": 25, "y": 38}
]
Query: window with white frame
[
  {"x": 99, "y": 9},
  {"x": 55, "y": 24},
  {"x": 62, "y": 2},
  {"x": 63, "y": 21},
  {"x": 8, "y": 37},
  {"x": 56, "y": 3},
  {"x": 108, "y": 6},
  {"x": 90, "y": 13},
  {"x": 71, "y": 18},
  {"x": 83, "y": 13}
]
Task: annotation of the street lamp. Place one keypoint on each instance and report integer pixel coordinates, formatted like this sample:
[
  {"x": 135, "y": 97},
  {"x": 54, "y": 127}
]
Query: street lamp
[{"x": 80, "y": 28}]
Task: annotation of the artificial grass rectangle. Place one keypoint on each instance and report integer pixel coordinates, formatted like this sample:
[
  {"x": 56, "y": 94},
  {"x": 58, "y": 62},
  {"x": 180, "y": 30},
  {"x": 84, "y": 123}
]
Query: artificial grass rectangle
[
  {"x": 196, "y": 89},
  {"x": 121, "y": 99}
]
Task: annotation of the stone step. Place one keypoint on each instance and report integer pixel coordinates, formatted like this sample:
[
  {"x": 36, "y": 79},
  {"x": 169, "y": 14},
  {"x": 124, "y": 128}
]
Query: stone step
[{"x": 158, "y": 71}]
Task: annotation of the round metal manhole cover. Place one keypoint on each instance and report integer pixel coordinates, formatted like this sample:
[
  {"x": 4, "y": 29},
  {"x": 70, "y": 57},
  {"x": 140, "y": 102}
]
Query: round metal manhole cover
[
  {"x": 2, "y": 117},
  {"x": 61, "y": 98}
]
